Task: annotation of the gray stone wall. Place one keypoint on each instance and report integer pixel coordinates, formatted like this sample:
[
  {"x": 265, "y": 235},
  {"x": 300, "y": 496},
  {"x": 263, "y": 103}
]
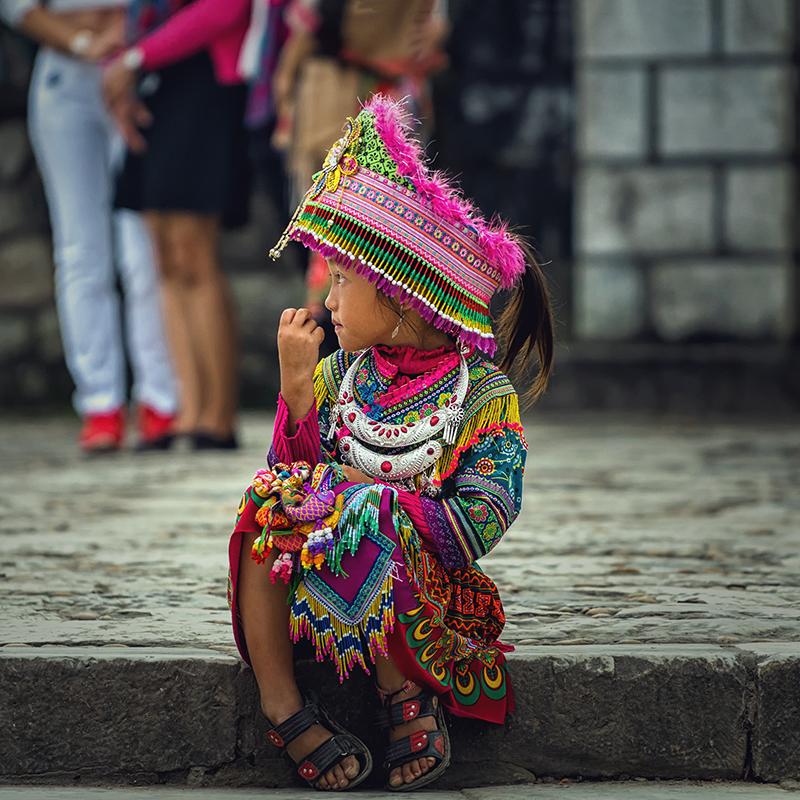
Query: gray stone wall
[{"x": 686, "y": 199}]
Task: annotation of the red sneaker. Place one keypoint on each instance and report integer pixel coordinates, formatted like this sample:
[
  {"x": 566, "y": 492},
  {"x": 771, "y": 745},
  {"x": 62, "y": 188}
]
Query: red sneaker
[
  {"x": 102, "y": 433},
  {"x": 156, "y": 430}
]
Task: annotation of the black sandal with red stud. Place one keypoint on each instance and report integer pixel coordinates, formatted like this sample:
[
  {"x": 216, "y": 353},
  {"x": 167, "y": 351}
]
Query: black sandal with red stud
[
  {"x": 420, "y": 744},
  {"x": 340, "y": 745}
]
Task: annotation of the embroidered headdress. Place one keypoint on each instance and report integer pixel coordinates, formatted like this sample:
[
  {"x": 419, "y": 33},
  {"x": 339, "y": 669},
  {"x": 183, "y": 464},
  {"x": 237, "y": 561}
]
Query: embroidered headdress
[{"x": 406, "y": 228}]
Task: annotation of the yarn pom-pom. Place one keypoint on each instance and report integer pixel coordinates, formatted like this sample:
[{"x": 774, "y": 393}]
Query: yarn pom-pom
[{"x": 500, "y": 248}]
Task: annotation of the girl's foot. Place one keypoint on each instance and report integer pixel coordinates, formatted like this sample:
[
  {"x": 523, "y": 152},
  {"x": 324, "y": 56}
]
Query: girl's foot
[
  {"x": 409, "y": 772},
  {"x": 341, "y": 774}
]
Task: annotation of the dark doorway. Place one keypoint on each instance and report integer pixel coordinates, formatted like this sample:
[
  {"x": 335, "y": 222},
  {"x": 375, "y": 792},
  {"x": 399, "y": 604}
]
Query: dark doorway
[{"x": 505, "y": 120}]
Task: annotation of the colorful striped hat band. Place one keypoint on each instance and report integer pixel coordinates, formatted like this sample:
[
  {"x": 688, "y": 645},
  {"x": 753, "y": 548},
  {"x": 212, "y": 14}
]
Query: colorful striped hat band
[{"x": 376, "y": 205}]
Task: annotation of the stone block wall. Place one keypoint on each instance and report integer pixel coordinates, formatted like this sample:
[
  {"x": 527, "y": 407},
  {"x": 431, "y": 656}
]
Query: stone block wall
[{"x": 686, "y": 201}]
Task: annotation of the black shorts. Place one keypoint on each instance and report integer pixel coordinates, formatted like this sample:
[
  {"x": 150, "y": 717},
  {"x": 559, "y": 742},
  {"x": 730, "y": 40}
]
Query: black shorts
[{"x": 197, "y": 146}]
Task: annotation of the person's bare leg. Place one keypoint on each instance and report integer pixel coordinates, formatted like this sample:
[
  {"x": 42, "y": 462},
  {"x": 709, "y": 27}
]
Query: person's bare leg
[
  {"x": 176, "y": 326},
  {"x": 390, "y": 679},
  {"x": 233, "y": 327},
  {"x": 265, "y": 617},
  {"x": 193, "y": 242}
]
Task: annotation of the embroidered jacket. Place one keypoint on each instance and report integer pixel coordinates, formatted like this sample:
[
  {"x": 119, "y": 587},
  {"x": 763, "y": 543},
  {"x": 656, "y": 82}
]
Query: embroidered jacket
[{"x": 479, "y": 477}]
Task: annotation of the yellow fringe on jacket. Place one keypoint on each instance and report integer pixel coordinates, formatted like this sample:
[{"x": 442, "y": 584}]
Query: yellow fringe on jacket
[
  {"x": 320, "y": 387},
  {"x": 492, "y": 416}
]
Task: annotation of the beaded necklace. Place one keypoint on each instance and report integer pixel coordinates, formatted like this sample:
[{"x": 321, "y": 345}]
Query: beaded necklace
[{"x": 366, "y": 441}]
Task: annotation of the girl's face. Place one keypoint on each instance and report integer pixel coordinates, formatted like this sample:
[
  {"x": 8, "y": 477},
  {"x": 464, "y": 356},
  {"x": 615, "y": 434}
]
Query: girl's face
[{"x": 360, "y": 319}]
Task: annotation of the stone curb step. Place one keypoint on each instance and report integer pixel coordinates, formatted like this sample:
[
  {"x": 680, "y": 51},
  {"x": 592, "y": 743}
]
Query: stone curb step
[
  {"x": 164, "y": 715},
  {"x": 585, "y": 790}
]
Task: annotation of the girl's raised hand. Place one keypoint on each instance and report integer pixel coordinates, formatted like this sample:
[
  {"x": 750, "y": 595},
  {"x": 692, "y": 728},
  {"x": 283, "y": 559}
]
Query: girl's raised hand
[{"x": 299, "y": 339}]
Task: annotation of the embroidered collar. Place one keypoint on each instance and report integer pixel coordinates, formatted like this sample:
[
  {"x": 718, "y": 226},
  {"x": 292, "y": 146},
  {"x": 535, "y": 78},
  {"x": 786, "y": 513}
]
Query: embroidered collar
[{"x": 401, "y": 374}]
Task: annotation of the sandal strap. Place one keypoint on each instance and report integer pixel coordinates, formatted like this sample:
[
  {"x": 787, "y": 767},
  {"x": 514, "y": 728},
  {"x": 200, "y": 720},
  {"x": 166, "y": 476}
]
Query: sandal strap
[
  {"x": 422, "y": 744},
  {"x": 396, "y": 714},
  {"x": 281, "y": 735},
  {"x": 328, "y": 754}
]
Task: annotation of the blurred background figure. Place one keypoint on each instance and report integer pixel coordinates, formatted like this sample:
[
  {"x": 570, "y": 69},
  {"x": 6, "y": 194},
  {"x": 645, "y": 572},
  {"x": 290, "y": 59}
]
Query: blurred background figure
[
  {"x": 664, "y": 211},
  {"x": 187, "y": 170},
  {"x": 77, "y": 149},
  {"x": 337, "y": 53},
  {"x": 258, "y": 60}
]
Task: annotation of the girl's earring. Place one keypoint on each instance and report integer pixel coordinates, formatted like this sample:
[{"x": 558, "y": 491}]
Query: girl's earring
[{"x": 399, "y": 323}]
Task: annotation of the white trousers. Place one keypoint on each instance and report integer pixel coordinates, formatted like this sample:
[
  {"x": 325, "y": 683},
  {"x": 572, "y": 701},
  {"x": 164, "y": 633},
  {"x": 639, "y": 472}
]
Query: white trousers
[{"x": 77, "y": 149}]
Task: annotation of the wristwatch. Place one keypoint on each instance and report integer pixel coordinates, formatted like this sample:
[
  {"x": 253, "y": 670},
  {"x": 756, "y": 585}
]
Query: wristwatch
[
  {"x": 133, "y": 58},
  {"x": 80, "y": 43}
]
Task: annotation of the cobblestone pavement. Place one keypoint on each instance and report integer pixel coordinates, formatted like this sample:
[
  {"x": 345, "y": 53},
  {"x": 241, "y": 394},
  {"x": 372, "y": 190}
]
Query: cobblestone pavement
[
  {"x": 634, "y": 530},
  {"x": 587, "y": 790}
]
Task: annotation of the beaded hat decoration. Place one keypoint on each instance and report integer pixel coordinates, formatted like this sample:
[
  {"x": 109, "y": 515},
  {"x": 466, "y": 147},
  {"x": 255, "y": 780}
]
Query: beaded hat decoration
[{"x": 376, "y": 204}]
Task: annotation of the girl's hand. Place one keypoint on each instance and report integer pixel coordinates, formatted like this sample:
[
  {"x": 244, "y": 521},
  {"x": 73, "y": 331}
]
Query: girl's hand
[
  {"x": 299, "y": 339},
  {"x": 356, "y": 475}
]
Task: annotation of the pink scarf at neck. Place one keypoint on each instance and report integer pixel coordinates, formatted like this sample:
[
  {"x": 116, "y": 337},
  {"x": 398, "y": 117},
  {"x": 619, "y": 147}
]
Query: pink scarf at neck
[
  {"x": 392, "y": 360},
  {"x": 410, "y": 369}
]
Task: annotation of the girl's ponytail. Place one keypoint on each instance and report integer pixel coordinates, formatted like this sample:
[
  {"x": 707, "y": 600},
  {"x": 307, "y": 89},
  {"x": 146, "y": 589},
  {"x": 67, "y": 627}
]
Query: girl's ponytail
[{"x": 525, "y": 324}]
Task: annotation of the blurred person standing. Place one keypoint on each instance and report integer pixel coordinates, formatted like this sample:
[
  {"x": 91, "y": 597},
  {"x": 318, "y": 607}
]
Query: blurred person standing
[
  {"x": 77, "y": 149},
  {"x": 177, "y": 96},
  {"x": 339, "y": 52},
  {"x": 257, "y": 62}
]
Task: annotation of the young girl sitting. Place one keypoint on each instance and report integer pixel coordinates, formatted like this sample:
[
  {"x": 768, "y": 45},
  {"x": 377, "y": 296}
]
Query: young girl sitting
[{"x": 395, "y": 464}]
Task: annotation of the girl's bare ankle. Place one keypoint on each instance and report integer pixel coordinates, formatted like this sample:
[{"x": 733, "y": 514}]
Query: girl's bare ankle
[
  {"x": 281, "y": 706},
  {"x": 396, "y": 690}
]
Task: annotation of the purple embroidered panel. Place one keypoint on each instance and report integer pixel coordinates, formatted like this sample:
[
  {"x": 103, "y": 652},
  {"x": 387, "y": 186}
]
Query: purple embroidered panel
[{"x": 449, "y": 552}]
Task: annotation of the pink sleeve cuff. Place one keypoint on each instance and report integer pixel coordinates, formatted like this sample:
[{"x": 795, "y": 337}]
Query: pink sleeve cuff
[{"x": 303, "y": 444}]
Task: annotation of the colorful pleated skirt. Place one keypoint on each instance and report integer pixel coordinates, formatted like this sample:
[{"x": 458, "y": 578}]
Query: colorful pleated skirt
[{"x": 391, "y": 596}]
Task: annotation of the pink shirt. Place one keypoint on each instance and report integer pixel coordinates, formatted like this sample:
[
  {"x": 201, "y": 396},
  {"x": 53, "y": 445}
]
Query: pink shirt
[{"x": 218, "y": 26}]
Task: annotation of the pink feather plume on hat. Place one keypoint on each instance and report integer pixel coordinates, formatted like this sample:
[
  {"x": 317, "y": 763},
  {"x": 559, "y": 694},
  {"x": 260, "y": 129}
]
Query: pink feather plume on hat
[{"x": 500, "y": 248}]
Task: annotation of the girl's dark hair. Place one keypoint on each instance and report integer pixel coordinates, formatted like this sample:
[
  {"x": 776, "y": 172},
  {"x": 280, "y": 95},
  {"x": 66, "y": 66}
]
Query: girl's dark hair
[{"x": 526, "y": 325}]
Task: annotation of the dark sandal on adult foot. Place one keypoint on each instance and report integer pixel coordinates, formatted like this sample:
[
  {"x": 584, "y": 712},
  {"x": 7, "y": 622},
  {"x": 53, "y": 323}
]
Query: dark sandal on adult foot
[
  {"x": 420, "y": 744},
  {"x": 340, "y": 745}
]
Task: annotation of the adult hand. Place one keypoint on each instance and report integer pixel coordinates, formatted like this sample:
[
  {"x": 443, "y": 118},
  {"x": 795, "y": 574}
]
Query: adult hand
[
  {"x": 299, "y": 339},
  {"x": 294, "y": 52},
  {"x": 119, "y": 82},
  {"x": 282, "y": 133},
  {"x": 127, "y": 111},
  {"x": 106, "y": 44}
]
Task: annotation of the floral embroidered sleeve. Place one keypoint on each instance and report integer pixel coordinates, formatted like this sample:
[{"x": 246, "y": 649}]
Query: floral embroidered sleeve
[{"x": 481, "y": 499}]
